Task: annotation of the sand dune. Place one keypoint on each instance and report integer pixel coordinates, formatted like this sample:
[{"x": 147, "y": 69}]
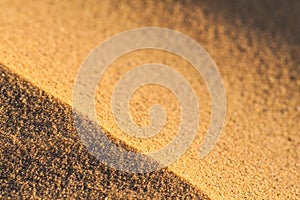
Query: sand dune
[{"x": 254, "y": 44}]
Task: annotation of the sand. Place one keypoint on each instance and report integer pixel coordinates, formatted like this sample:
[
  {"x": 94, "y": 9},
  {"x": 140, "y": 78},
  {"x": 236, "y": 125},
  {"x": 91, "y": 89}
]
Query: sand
[
  {"x": 255, "y": 45},
  {"x": 42, "y": 156}
]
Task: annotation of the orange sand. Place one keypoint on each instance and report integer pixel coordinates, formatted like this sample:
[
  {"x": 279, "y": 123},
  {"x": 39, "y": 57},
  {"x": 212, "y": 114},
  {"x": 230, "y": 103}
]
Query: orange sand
[{"x": 255, "y": 45}]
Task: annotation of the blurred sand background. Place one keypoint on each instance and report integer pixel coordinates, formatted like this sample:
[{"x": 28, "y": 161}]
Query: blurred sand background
[{"x": 254, "y": 43}]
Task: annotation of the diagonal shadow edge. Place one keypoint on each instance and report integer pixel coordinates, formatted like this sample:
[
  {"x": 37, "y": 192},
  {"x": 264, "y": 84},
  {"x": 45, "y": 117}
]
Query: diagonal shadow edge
[{"x": 42, "y": 155}]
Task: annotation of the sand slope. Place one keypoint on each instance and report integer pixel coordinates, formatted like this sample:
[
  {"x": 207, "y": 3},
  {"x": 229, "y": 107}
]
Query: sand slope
[{"x": 255, "y": 45}]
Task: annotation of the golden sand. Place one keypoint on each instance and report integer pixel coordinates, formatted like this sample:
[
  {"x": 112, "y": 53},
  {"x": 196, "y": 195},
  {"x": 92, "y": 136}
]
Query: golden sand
[{"x": 255, "y": 45}]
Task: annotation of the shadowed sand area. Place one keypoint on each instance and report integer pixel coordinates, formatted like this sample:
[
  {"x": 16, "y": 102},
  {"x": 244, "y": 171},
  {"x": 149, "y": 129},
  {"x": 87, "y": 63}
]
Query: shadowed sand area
[
  {"x": 43, "y": 157},
  {"x": 255, "y": 45}
]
